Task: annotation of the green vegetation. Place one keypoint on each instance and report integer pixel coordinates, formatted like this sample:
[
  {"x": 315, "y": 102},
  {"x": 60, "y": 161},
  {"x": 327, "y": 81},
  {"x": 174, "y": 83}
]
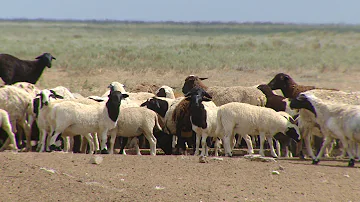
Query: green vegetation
[
  {"x": 84, "y": 46},
  {"x": 89, "y": 48}
]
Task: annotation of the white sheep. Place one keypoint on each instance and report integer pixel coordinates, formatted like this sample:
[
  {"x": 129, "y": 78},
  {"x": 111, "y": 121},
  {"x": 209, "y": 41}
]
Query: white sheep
[
  {"x": 165, "y": 91},
  {"x": 243, "y": 118},
  {"x": 18, "y": 103},
  {"x": 134, "y": 121},
  {"x": 336, "y": 120},
  {"x": 6, "y": 126},
  {"x": 83, "y": 119},
  {"x": 307, "y": 123}
]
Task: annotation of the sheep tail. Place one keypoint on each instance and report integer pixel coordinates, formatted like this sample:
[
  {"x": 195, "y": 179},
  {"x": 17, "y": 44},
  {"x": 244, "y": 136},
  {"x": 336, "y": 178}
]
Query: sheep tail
[
  {"x": 157, "y": 123},
  {"x": 219, "y": 125}
]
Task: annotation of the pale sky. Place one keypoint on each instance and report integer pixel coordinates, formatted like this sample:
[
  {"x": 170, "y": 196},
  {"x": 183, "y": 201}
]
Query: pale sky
[{"x": 288, "y": 11}]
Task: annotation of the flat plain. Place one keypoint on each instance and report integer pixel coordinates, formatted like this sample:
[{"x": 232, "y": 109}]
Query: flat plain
[{"x": 90, "y": 55}]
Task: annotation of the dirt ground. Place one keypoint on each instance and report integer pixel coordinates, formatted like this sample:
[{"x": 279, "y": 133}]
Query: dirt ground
[{"x": 61, "y": 176}]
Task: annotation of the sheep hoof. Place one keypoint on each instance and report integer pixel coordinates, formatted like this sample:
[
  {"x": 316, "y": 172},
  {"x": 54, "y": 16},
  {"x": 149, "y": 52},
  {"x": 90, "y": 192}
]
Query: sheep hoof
[
  {"x": 54, "y": 148},
  {"x": 98, "y": 152},
  {"x": 104, "y": 151},
  {"x": 315, "y": 161},
  {"x": 351, "y": 163}
]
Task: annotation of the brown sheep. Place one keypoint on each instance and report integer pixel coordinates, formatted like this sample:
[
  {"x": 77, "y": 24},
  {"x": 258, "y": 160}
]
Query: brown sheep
[{"x": 222, "y": 95}]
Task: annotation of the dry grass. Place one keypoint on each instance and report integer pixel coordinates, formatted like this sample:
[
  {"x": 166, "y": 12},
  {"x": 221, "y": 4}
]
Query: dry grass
[{"x": 91, "y": 55}]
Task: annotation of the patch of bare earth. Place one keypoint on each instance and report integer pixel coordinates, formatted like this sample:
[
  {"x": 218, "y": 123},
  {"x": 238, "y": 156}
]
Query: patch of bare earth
[{"x": 70, "y": 177}]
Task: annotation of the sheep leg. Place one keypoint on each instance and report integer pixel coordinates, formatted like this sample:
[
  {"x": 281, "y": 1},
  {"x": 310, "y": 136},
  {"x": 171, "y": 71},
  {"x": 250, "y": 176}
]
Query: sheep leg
[
  {"x": 104, "y": 149},
  {"x": 43, "y": 135},
  {"x": 89, "y": 138},
  {"x": 326, "y": 142},
  {"x": 198, "y": 137},
  {"x": 308, "y": 146},
  {"x": 204, "y": 145},
  {"x": 135, "y": 143},
  {"x": 152, "y": 140},
  {"x": 217, "y": 146},
  {"x": 112, "y": 141},
  {"x": 174, "y": 141},
  {"x": 262, "y": 141},
  {"x": 348, "y": 146},
  {"x": 226, "y": 142},
  {"x": 272, "y": 150},
  {"x": 278, "y": 148},
  {"x": 66, "y": 143},
  {"x": 249, "y": 144},
  {"x": 83, "y": 145},
  {"x": 53, "y": 140},
  {"x": 10, "y": 139},
  {"x": 96, "y": 142}
]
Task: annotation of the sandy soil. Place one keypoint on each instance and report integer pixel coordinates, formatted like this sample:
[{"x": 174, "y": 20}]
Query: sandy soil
[{"x": 71, "y": 177}]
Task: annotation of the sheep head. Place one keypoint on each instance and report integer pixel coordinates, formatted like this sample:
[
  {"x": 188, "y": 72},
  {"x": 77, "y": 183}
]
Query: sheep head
[
  {"x": 46, "y": 59},
  {"x": 303, "y": 101},
  {"x": 192, "y": 81},
  {"x": 281, "y": 81}
]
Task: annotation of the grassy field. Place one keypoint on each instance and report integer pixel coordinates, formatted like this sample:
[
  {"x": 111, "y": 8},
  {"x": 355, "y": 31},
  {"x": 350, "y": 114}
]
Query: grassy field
[{"x": 91, "y": 55}]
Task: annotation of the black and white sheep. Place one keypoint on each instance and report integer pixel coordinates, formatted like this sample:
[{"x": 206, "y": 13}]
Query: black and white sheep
[
  {"x": 13, "y": 69},
  {"x": 203, "y": 119},
  {"x": 83, "y": 119},
  {"x": 336, "y": 120}
]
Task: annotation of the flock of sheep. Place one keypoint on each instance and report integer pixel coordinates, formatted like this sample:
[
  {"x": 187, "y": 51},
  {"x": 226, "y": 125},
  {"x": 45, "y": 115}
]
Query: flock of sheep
[{"x": 223, "y": 115}]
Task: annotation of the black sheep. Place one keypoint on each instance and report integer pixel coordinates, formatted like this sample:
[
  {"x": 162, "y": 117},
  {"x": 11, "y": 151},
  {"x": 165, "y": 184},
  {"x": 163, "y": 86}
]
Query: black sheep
[{"x": 13, "y": 70}]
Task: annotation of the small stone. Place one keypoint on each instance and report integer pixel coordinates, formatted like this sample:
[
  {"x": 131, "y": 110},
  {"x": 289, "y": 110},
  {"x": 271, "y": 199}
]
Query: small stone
[
  {"x": 275, "y": 172},
  {"x": 281, "y": 167},
  {"x": 217, "y": 158},
  {"x": 347, "y": 176},
  {"x": 95, "y": 159}
]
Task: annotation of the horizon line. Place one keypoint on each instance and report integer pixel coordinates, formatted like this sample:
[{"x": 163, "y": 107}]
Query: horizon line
[{"x": 214, "y": 22}]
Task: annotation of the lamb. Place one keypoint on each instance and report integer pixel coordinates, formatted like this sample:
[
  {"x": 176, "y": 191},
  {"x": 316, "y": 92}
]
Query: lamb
[
  {"x": 18, "y": 103},
  {"x": 6, "y": 126},
  {"x": 83, "y": 119},
  {"x": 13, "y": 70},
  {"x": 165, "y": 91},
  {"x": 223, "y": 95},
  {"x": 134, "y": 121},
  {"x": 203, "y": 119},
  {"x": 340, "y": 121},
  {"x": 243, "y": 118}
]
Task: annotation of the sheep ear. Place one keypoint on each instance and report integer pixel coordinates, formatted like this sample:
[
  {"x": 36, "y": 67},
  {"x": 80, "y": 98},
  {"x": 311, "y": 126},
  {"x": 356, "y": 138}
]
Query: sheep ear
[
  {"x": 188, "y": 98},
  {"x": 206, "y": 99},
  {"x": 53, "y": 57},
  {"x": 124, "y": 96},
  {"x": 203, "y": 78}
]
